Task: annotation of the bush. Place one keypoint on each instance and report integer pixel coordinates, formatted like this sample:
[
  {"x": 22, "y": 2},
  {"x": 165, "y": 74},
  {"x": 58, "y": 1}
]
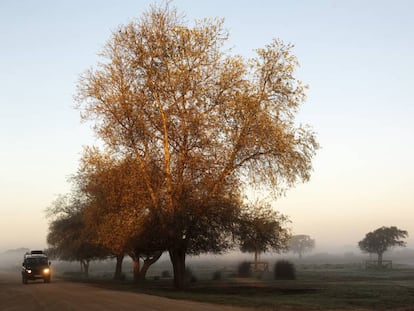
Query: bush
[
  {"x": 285, "y": 270},
  {"x": 122, "y": 277},
  {"x": 245, "y": 269},
  {"x": 165, "y": 274},
  {"x": 189, "y": 275},
  {"x": 217, "y": 275}
]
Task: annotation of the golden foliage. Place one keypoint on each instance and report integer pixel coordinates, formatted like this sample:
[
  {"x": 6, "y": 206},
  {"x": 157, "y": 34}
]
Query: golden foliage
[{"x": 192, "y": 123}]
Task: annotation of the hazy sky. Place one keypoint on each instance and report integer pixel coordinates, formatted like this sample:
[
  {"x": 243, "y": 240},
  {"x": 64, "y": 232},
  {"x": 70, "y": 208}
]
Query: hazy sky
[{"x": 356, "y": 56}]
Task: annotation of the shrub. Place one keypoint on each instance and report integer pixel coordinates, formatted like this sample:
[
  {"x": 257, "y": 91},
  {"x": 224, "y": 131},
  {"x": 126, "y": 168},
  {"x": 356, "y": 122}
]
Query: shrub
[
  {"x": 122, "y": 277},
  {"x": 217, "y": 275},
  {"x": 165, "y": 274},
  {"x": 245, "y": 269},
  {"x": 189, "y": 275},
  {"x": 285, "y": 270}
]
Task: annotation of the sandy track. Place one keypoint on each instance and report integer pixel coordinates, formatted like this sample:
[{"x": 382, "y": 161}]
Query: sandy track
[{"x": 60, "y": 295}]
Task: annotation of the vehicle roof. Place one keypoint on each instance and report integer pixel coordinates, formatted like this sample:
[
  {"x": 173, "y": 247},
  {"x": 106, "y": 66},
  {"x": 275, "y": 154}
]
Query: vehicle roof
[{"x": 35, "y": 256}]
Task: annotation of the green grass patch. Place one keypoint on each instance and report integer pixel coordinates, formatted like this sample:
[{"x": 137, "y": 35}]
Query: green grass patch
[{"x": 318, "y": 289}]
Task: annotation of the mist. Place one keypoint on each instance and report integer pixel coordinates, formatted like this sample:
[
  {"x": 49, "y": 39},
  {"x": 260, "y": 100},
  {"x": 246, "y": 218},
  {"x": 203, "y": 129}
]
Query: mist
[{"x": 11, "y": 260}]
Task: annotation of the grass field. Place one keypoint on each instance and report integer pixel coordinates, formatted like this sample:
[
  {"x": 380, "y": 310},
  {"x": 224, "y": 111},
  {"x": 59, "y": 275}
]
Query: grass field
[
  {"x": 323, "y": 289},
  {"x": 317, "y": 287}
]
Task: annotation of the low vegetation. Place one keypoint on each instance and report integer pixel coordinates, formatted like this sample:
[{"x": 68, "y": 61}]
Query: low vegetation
[
  {"x": 284, "y": 270},
  {"x": 244, "y": 269},
  {"x": 316, "y": 287}
]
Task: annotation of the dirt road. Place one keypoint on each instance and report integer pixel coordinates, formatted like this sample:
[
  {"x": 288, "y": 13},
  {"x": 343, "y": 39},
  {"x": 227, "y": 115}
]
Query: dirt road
[{"x": 60, "y": 295}]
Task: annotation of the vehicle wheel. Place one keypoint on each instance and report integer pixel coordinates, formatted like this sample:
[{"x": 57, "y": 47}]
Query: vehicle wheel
[
  {"x": 47, "y": 280},
  {"x": 24, "y": 280}
]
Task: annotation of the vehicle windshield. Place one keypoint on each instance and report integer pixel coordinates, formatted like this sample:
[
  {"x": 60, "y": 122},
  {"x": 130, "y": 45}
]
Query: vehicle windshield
[{"x": 36, "y": 261}]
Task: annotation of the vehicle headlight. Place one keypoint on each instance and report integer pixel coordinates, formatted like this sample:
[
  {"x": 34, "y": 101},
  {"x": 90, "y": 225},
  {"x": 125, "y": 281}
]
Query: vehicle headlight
[
  {"x": 29, "y": 271},
  {"x": 46, "y": 271}
]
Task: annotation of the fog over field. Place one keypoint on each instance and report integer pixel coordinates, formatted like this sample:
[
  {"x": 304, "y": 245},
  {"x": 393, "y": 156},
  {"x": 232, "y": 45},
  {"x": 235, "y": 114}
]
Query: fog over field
[{"x": 11, "y": 260}]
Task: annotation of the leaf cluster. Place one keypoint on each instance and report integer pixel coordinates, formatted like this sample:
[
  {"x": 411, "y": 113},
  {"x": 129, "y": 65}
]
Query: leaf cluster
[
  {"x": 261, "y": 229},
  {"x": 381, "y": 239},
  {"x": 301, "y": 243}
]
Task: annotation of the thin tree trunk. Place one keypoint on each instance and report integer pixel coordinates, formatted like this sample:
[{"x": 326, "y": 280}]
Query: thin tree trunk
[
  {"x": 136, "y": 268},
  {"x": 177, "y": 256},
  {"x": 118, "y": 267},
  {"x": 256, "y": 260},
  {"x": 167, "y": 156},
  {"x": 147, "y": 263},
  {"x": 380, "y": 260},
  {"x": 85, "y": 268}
]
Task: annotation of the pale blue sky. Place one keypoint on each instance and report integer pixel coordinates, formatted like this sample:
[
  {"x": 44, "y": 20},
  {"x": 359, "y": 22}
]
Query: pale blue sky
[{"x": 356, "y": 57}]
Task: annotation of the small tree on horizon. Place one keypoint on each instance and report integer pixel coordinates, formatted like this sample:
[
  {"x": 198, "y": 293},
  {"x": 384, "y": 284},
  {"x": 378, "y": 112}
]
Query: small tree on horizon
[
  {"x": 380, "y": 240},
  {"x": 300, "y": 244},
  {"x": 262, "y": 229}
]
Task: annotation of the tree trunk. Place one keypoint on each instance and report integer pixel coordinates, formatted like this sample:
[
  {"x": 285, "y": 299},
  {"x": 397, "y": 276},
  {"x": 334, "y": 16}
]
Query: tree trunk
[
  {"x": 177, "y": 256},
  {"x": 256, "y": 256},
  {"x": 380, "y": 260},
  {"x": 118, "y": 267},
  {"x": 148, "y": 261},
  {"x": 143, "y": 272},
  {"x": 85, "y": 267},
  {"x": 136, "y": 268}
]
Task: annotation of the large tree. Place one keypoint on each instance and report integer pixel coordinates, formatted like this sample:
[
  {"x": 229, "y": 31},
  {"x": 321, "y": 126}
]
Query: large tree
[
  {"x": 381, "y": 239},
  {"x": 167, "y": 94},
  {"x": 301, "y": 243}
]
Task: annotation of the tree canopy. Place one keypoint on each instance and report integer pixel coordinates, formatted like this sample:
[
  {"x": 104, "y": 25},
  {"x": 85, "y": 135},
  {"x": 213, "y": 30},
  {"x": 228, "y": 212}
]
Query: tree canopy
[
  {"x": 381, "y": 239},
  {"x": 198, "y": 122},
  {"x": 262, "y": 229},
  {"x": 69, "y": 237},
  {"x": 301, "y": 243}
]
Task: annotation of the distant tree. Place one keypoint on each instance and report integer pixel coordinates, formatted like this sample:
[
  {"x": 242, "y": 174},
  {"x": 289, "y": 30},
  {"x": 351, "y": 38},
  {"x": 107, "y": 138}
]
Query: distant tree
[
  {"x": 380, "y": 240},
  {"x": 261, "y": 229},
  {"x": 300, "y": 244},
  {"x": 68, "y": 237},
  {"x": 169, "y": 95}
]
